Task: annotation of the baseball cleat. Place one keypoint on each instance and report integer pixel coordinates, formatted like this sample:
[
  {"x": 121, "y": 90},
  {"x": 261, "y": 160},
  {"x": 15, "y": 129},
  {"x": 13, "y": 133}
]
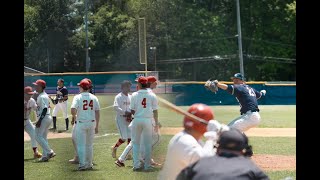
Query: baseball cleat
[
  {"x": 118, "y": 163},
  {"x": 153, "y": 163},
  {"x": 37, "y": 155},
  {"x": 114, "y": 152},
  {"x": 82, "y": 168},
  {"x": 43, "y": 159},
  {"x": 74, "y": 161},
  {"x": 137, "y": 169},
  {"x": 51, "y": 155}
]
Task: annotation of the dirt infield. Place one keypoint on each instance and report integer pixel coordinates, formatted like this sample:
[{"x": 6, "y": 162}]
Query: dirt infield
[{"x": 264, "y": 161}]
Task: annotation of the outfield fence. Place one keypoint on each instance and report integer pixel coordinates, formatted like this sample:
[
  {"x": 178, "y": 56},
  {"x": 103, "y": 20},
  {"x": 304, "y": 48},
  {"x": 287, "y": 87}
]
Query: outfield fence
[{"x": 184, "y": 93}]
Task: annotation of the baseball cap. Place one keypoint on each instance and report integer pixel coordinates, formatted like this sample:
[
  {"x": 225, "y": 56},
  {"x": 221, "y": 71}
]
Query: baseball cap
[
  {"x": 28, "y": 90},
  {"x": 84, "y": 83},
  {"x": 232, "y": 140},
  {"x": 40, "y": 82},
  {"x": 151, "y": 79},
  {"x": 238, "y": 76},
  {"x": 142, "y": 80},
  {"x": 62, "y": 80}
]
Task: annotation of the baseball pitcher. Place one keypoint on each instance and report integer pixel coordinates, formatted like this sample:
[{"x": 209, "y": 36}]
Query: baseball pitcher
[
  {"x": 123, "y": 118},
  {"x": 44, "y": 120},
  {"x": 61, "y": 104},
  {"x": 85, "y": 110},
  {"x": 247, "y": 98},
  {"x": 30, "y": 105}
]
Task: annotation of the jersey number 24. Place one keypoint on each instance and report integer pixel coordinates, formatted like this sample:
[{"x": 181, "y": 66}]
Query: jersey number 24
[{"x": 85, "y": 104}]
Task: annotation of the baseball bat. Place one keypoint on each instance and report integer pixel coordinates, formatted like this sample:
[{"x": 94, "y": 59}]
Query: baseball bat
[{"x": 181, "y": 111}]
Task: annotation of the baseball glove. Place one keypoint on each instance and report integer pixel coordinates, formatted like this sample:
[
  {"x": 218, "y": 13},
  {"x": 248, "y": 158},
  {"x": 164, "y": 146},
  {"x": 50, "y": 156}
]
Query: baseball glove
[
  {"x": 128, "y": 116},
  {"x": 211, "y": 85},
  {"x": 54, "y": 101}
]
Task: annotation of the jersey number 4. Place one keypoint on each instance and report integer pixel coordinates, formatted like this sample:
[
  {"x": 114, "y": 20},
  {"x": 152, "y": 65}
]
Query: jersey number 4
[
  {"x": 85, "y": 104},
  {"x": 144, "y": 102}
]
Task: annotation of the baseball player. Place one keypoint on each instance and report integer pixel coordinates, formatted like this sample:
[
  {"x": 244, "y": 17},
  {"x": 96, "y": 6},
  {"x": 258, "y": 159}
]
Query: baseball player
[
  {"x": 123, "y": 118},
  {"x": 29, "y": 105},
  {"x": 186, "y": 147},
  {"x": 152, "y": 82},
  {"x": 85, "y": 110},
  {"x": 144, "y": 107},
  {"x": 61, "y": 104},
  {"x": 247, "y": 98},
  {"x": 75, "y": 160},
  {"x": 44, "y": 121}
]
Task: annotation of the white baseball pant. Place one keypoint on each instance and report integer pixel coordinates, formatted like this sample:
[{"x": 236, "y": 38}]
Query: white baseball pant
[
  {"x": 74, "y": 139},
  {"x": 63, "y": 106},
  {"x": 30, "y": 129},
  {"x": 122, "y": 125},
  {"x": 41, "y": 135},
  {"x": 84, "y": 133},
  {"x": 246, "y": 121},
  {"x": 142, "y": 127}
]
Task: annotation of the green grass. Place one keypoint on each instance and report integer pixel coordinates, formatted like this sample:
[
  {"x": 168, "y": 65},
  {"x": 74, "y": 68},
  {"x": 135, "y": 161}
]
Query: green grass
[{"x": 59, "y": 167}]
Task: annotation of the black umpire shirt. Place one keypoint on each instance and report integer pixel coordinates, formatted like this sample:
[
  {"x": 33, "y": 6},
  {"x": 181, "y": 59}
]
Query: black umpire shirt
[{"x": 223, "y": 167}]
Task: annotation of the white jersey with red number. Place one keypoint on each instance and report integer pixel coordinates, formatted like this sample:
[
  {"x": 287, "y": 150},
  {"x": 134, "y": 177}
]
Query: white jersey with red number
[
  {"x": 122, "y": 103},
  {"x": 28, "y": 106},
  {"x": 86, "y": 105},
  {"x": 43, "y": 102},
  {"x": 183, "y": 150},
  {"x": 143, "y": 103}
]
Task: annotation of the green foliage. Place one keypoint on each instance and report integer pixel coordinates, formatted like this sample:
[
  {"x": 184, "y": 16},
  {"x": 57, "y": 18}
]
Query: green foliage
[{"x": 178, "y": 28}]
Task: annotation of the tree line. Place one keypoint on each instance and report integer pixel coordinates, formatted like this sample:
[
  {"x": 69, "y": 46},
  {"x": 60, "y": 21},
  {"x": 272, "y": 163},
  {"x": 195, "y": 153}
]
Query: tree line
[{"x": 194, "y": 39}]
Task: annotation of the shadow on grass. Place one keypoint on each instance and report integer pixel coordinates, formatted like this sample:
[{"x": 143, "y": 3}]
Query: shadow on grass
[{"x": 30, "y": 159}]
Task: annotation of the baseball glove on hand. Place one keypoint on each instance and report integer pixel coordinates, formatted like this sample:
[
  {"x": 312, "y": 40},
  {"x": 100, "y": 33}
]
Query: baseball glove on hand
[
  {"x": 54, "y": 101},
  {"x": 211, "y": 85},
  {"x": 128, "y": 116}
]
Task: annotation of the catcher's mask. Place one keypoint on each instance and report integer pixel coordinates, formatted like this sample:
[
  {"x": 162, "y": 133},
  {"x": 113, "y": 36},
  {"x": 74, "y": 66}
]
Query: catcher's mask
[{"x": 202, "y": 111}]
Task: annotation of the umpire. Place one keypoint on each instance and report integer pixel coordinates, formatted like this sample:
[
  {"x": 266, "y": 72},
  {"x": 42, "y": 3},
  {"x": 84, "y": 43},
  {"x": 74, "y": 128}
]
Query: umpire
[{"x": 230, "y": 162}]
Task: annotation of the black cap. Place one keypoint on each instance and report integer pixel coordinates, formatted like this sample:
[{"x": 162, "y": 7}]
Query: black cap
[
  {"x": 238, "y": 76},
  {"x": 233, "y": 140}
]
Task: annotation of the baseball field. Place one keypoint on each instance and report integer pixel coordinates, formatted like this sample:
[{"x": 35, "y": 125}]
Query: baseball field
[{"x": 274, "y": 144}]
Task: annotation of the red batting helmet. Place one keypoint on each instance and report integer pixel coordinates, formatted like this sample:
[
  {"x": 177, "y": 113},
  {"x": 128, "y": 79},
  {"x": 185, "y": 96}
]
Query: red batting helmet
[{"x": 202, "y": 111}]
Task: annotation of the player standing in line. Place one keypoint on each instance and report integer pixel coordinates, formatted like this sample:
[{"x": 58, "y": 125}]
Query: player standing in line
[
  {"x": 44, "y": 121},
  {"x": 121, "y": 106},
  {"x": 61, "y": 104},
  {"x": 247, "y": 98},
  {"x": 186, "y": 147},
  {"x": 75, "y": 160},
  {"x": 30, "y": 104},
  {"x": 85, "y": 110},
  {"x": 144, "y": 107}
]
